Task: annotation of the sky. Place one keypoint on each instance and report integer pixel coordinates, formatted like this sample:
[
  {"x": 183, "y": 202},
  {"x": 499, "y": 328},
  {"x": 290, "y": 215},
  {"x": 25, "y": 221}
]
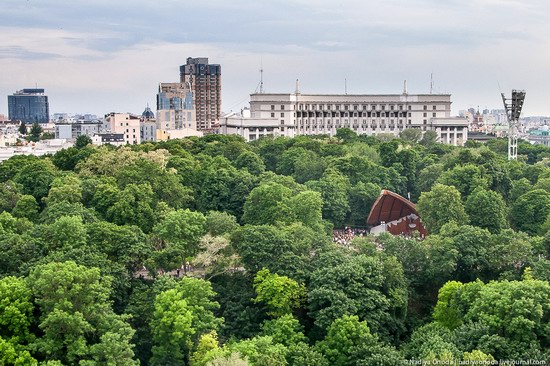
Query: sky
[{"x": 98, "y": 56}]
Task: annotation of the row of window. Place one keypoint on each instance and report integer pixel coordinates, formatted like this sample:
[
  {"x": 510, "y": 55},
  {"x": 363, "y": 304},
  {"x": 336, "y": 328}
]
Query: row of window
[{"x": 356, "y": 107}]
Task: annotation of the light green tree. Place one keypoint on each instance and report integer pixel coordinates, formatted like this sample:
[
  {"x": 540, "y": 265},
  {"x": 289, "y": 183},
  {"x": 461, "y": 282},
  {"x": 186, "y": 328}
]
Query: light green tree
[{"x": 281, "y": 294}]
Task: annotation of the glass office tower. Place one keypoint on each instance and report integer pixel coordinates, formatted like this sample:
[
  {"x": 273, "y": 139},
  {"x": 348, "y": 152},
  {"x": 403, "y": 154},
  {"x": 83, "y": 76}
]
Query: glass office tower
[{"x": 29, "y": 106}]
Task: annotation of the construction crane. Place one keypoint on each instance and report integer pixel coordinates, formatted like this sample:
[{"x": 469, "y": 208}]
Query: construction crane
[{"x": 513, "y": 111}]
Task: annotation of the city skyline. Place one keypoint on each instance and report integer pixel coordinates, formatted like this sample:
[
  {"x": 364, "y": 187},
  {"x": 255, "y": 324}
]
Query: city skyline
[{"x": 97, "y": 57}]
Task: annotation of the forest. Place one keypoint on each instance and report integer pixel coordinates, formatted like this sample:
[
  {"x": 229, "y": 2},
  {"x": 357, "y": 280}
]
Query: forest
[{"x": 216, "y": 252}]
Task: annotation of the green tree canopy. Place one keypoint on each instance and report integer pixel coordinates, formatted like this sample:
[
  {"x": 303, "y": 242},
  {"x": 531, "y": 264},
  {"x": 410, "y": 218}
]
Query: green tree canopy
[{"x": 440, "y": 206}]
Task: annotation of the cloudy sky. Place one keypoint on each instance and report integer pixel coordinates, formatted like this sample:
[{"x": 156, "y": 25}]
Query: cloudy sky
[{"x": 97, "y": 56}]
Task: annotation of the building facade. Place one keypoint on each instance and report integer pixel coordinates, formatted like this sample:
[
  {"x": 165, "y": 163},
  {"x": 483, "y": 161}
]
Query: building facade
[
  {"x": 254, "y": 128},
  {"x": 313, "y": 114},
  {"x": 204, "y": 80},
  {"x": 175, "y": 107},
  {"x": 29, "y": 106},
  {"x": 73, "y": 129},
  {"x": 125, "y": 124}
]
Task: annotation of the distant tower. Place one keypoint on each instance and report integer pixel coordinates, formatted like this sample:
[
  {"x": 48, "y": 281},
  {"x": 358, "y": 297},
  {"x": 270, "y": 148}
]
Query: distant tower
[
  {"x": 206, "y": 85},
  {"x": 513, "y": 111}
]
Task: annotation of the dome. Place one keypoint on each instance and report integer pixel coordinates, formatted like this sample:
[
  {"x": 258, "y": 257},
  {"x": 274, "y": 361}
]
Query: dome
[{"x": 148, "y": 113}]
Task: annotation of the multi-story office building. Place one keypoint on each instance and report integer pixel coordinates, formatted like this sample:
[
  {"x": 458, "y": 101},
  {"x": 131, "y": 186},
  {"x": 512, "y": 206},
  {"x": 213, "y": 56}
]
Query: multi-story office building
[
  {"x": 29, "y": 106},
  {"x": 312, "y": 114},
  {"x": 205, "y": 82},
  {"x": 175, "y": 108}
]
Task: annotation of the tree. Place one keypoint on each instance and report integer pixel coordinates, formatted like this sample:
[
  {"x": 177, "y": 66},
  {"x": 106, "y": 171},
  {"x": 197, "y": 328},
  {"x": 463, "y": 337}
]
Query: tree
[
  {"x": 82, "y": 141},
  {"x": 285, "y": 330},
  {"x": 26, "y": 207},
  {"x": 216, "y": 256},
  {"x": 429, "y": 138},
  {"x": 413, "y": 135},
  {"x": 465, "y": 178},
  {"x": 261, "y": 351},
  {"x": 487, "y": 209},
  {"x": 334, "y": 189},
  {"x": 346, "y": 134},
  {"x": 440, "y": 206},
  {"x": 35, "y": 132},
  {"x": 220, "y": 223},
  {"x": 371, "y": 288},
  {"x": 133, "y": 207},
  {"x": 172, "y": 329},
  {"x": 474, "y": 247},
  {"x": 178, "y": 237},
  {"x": 361, "y": 197},
  {"x": 182, "y": 314},
  {"x": 350, "y": 342},
  {"x": 281, "y": 294},
  {"x": 250, "y": 161},
  {"x": 530, "y": 210},
  {"x": 76, "y": 317},
  {"x": 16, "y": 311},
  {"x": 36, "y": 178},
  {"x": 22, "y": 128},
  {"x": 267, "y": 204}
]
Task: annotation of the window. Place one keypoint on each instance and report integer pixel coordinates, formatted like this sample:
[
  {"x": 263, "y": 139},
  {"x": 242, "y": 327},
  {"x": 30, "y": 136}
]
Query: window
[
  {"x": 434, "y": 108},
  {"x": 425, "y": 107},
  {"x": 272, "y": 115},
  {"x": 410, "y": 107},
  {"x": 272, "y": 107},
  {"x": 434, "y": 114},
  {"x": 425, "y": 114},
  {"x": 282, "y": 114},
  {"x": 282, "y": 107}
]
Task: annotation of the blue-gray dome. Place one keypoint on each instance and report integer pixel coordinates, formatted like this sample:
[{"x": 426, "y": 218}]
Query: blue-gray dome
[{"x": 148, "y": 113}]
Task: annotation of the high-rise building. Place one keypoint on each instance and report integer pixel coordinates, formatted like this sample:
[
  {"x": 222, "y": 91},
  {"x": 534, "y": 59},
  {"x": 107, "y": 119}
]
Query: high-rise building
[
  {"x": 29, "y": 106},
  {"x": 175, "y": 108},
  {"x": 206, "y": 84}
]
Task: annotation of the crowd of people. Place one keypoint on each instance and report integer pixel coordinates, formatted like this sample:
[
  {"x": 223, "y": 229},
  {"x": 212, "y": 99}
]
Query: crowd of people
[{"x": 346, "y": 235}]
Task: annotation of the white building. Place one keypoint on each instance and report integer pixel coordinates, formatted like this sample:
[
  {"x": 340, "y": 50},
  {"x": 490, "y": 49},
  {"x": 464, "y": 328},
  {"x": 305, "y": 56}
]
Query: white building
[
  {"x": 254, "y": 128},
  {"x": 312, "y": 114}
]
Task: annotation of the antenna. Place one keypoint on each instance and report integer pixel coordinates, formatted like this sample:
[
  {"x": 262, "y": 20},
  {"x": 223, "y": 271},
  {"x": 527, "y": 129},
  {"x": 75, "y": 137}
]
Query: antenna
[
  {"x": 431, "y": 82},
  {"x": 405, "y": 87},
  {"x": 261, "y": 76},
  {"x": 297, "y": 91},
  {"x": 346, "y": 86}
]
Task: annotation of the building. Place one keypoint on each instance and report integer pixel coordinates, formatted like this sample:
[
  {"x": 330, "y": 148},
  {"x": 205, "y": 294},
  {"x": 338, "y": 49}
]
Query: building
[
  {"x": 540, "y": 136},
  {"x": 204, "y": 80},
  {"x": 126, "y": 124},
  {"x": 29, "y": 106},
  {"x": 254, "y": 128},
  {"x": 148, "y": 126},
  {"x": 312, "y": 114},
  {"x": 175, "y": 107},
  {"x": 67, "y": 129},
  {"x": 115, "y": 139},
  {"x": 396, "y": 215}
]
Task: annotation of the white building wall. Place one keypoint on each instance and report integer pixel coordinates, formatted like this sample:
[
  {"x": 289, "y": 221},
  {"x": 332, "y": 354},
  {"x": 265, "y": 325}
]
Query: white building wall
[{"x": 312, "y": 114}]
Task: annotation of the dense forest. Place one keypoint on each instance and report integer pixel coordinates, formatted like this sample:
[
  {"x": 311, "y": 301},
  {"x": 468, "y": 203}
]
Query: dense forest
[{"x": 213, "y": 251}]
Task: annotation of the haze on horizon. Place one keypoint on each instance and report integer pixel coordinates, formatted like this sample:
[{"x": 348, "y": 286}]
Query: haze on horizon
[{"x": 101, "y": 56}]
